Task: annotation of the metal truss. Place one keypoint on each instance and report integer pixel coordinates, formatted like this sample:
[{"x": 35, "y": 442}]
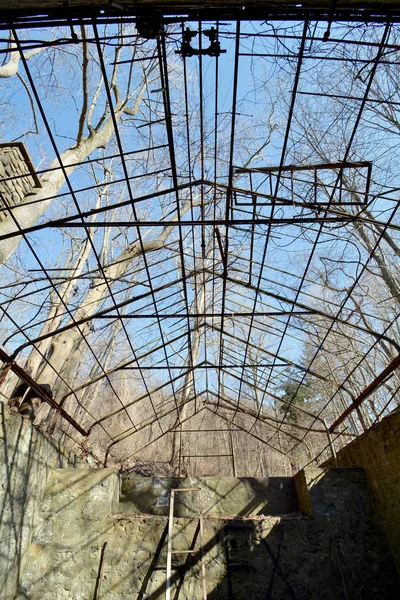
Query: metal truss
[{"x": 230, "y": 306}]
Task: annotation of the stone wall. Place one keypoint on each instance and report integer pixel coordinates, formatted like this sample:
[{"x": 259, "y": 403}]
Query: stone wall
[
  {"x": 378, "y": 452},
  {"x": 80, "y": 550},
  {"x": 243, "y": 496},
  {"x": 26, "y": 457},
  {"x": 16, "y": 179}
]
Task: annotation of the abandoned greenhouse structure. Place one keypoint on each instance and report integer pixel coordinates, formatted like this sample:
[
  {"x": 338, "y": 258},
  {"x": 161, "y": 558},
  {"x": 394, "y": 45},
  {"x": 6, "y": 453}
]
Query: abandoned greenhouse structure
[{"x": 200, "y": 300}]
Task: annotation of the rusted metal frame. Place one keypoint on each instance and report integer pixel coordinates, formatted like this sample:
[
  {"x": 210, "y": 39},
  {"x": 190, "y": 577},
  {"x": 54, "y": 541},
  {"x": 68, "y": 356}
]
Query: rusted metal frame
[
  {"x": 313, "y": 38},
  {"x": 315, "y": 205},
  {"x": 232, "y": 406},
  {"x": 249, "y": 399},
  {"x": 88, "y": 188},
  {"x": 126, "y": 365},
  {"x": 254, "y": 202},
  {"x": 198, "y": 223},
  {"x": 85, "y": 275},
  {"x": 277, "y": 183},
  {"x": 315, "y": 458},
  {"x": 189, "y": 166},
  {"x": 79, "y": 163},
  {"x": 229, "y": 195},
  {"x": 346, "y": 154},
  {"x": 136, "y": 400},
  {"x": 204, "y": 366},
  {"x": 12, "y": 365},
  {"x": 304, "y": 293},
  {"x": 278, "y": 199},
  {"x": 267, "y": 418},
  {"x": 201, "y": 119},
  {"x": 231, "y": 315},
  {"x": 215, "y": 160},
  {"x": 102, "y": 209},
  {"x": 348, "y": 378},
  {"x": 163, "y": 69},
  {"x": 380, "y": 236},
  {"x": 43, "y": 321},
  {"x": 338, "y": 96},
  {"x": 131, "y": 198},
  {"x": 170, "y": 430},
  {"x": 362, "y": 61},
  {"x": 317, "y": 312},
  {"x": 13, "y": 356},
  {"x": 94, "y": 316},
  {"x": 393, "y": 394},
  {"x": 274, "y": 330},
  {"x": 308, "y": 310},
  {"x": 31, "y": 15},
  {"x": 129, "y": 432},
  {"x": 286, "y": 360},
  {"x": 243, "y": 429},
  {"x": 315, "y": 167},
  {"x": 4, "y": 372},
  {"x": 89, "y": 238},
  {"x": 257, "y": 387},
  {"x": 370, "y": 389}
]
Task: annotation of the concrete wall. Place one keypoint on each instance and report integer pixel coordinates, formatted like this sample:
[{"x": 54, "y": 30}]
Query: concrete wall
[
  {"x": 378, "y": 452},
  {"x": 26, "y": 457}
]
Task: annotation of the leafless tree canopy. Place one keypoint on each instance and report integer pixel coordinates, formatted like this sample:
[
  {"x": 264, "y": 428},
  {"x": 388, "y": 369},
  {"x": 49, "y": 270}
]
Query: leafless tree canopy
[{"x": 212, "y": 241}]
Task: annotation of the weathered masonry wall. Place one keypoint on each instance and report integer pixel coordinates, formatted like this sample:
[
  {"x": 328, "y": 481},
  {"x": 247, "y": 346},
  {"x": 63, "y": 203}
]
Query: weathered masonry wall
[
  {"x": 219, "y": 495},
  {"x": 378, "y": 452},
  {"x": 26, "y": 457},
  {"x": 81, "y": 549},
  {"x": 17, "y": 177}
]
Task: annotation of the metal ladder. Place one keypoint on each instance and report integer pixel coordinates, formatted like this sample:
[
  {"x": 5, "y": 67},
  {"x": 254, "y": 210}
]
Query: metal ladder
[{"x": 170, "y": 551}]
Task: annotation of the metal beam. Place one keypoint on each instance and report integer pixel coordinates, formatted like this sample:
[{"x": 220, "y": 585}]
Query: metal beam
[
  {"x": 377, "y": 382},
  {"x": 356, "y": 10},
  {"x": 10, "y": 365}
]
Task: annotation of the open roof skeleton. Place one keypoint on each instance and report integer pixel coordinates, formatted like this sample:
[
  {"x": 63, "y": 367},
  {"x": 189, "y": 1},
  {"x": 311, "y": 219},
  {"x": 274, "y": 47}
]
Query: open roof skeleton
[{"x": 213, "y": 304}]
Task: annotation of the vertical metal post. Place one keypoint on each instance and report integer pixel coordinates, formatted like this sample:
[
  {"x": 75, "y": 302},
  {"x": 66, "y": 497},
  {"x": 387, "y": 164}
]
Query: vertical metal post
[
  {"x": 203, "y": 566},
  {"x": 169, "y": 546},
  {"x": 330, "y": 441}
]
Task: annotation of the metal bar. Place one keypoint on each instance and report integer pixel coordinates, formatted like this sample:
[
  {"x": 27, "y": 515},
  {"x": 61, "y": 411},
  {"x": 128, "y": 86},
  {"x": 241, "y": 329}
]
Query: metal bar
[
  {"x": 377, "y": 382},
  {"x": 359, "y": 98},
  {"x": 31, "y": 14},
  {"x": 205, "y": 455},
  {"x": 100, "y": 575},
  {"x": 169, "y": 546},
  {"x": 203, "y": 566},
  {"x": 197, "y": 489},
  {"x": 330, "y": 441},
  {"x": 208, "y": 366},
  {"x": 39, "y": 390},
  {"x": 316, "y": 167}
]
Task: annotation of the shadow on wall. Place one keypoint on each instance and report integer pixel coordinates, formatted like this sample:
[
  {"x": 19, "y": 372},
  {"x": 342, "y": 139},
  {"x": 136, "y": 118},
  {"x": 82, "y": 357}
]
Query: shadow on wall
[
  {"x": 219, "y": 495},
  {"x": 82, "y": 549},
  {"x": 26, "y": 456},
  {"x": 338, "y": 553}
]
